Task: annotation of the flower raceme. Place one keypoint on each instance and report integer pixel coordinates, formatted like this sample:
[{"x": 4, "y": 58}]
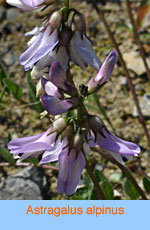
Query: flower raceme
[
  {"x": 55, "y": 145},
  {"x": 53, "y": 43}
]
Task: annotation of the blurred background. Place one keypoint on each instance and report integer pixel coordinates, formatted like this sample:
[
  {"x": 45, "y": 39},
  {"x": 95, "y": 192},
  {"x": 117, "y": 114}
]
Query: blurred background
[{"x": 19, "y": 107}]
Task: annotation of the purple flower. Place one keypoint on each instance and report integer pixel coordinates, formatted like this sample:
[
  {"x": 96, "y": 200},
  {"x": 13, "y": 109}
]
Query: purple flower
[
  {"x": 103, "y": 74},
  {"x": 53, "y": 100},
  {"x": 34, "y": 146},
  {"x": 82, "y": 53},
  {"x": 70, "y": 158},
  {"x": 42, "y": 46},
  {"x": 71, "y": 165},
  {"x": 120, "y": 149},
  {"x": 26, "y": 5}
]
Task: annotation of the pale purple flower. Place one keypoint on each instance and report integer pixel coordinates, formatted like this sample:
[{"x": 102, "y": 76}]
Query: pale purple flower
[
  {"x": 26, "y": 5},
  {"x": 29, "y": 147},
  {"x": 103, "y": 74},
  {"x": 43, "y": 45},
  {"x": 53, "y": 100},
  {"x": 71, "y": 161},
  {"x": 120, "y": 149},
  {"x": 47, "y": 142},
  {"x": 71, "y": 165},
  {"x": 82, "y": 52}
]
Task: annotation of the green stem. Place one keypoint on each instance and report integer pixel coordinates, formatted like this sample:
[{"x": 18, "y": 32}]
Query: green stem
[
  {"x": 124, "y": 169},
  {"x": 101, "y": 110},
  {"x": 96, "y": 184},
  {"x": 2, "y": 93},
  {"x": 67, "y": 4}
]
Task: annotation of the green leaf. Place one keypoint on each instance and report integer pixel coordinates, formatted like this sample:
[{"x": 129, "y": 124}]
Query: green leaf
[
  {"x": 32, "y": 96},
  {"x": 14, "y": 88},
  {"x": 6, "y": 155},
  {"x": 99, "y": 176},
  {"x": 115, "y": 177},
  {"x": 107, "y": 190},
  {"x": 130, "y": 189},
  {"x": 93, "y": 194},
  {"x": 86, "y": 179},
  {"x": 3, "y": 74},
  {"x": 33, "y": 161},
  {"x": 146, "y": 183}
]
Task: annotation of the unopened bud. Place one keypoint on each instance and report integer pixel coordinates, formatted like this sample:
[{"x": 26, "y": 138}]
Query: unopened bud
[
  {"x": 43, "y": 114},
  {"x": 80, "y": 23},
  {"x": 67, "y": 132},
  {"x": 39, "y": 89},
  {"x": 65, "y": 37},
  {"x": 55, "y": 20},
  {"x": 103, "y": 74},
  {"x": 77, "y": 142},
  {"x": 95, "y": 123},
  {"x": 45, "y": 12},
  {"x": 59, "y": 125},
  {"x": 36, "y": 73}
]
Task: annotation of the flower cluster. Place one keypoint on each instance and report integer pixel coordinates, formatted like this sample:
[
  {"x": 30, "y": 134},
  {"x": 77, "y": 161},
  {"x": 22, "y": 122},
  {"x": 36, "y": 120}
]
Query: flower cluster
[{"x": 61, "y": 40}]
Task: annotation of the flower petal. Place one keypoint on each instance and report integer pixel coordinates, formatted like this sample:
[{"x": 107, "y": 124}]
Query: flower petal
[
  {"x": 107, "y": 68},
  {"x": 32, "y": 3},
  {"x": 84, "y": 50},
  {"x": 43, "y": 44},
  {"x": 55, "y": 106},
  {"x": 70, "y": 169},
  {"x": 22, "y": 141},
  {"x": 120, "y": 147},
  {"x": 52, "y": 154}
]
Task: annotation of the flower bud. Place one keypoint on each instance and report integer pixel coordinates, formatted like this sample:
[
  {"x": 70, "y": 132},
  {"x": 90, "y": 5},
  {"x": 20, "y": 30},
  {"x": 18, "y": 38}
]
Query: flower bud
[
  {"x": 103, "y": 74},
  {"x": 43, "y": 114},
  {"x": 95, "y": 123},
  {"x": 55, "y": 20},
  {"x": 43, "y": 13},
  {"x": 59, "y": 125},
  {"x": 65, "y": 37},
  {"x": 36, "y": 73},
  {"x": 77, "y": 142},
  {"x": 39, "y": 89},
  {"x": 67, "y": 132},
  {"x": 80, "y": 23}
]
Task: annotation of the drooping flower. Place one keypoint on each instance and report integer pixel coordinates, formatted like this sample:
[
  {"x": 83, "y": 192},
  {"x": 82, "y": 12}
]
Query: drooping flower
[
  {"x": 53, "y": 100},
  {"x": 82, "y": 52},
  {"x": 120, "y": 149},
  {"x": 66, "y": 148},
  {"x": 26, "y": 5},
  {"x": 103, "y": 74},
  {"x": 71, "y": 164},
  {"x": 42, "y": 45},
  {"x": 29, "y": 147}
]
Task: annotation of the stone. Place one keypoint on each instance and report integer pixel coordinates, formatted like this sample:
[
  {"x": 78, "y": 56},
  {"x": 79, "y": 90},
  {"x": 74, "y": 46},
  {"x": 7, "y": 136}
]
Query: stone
[
  {"x": 122, "y": 80},
  {"x": 12, "y": 14},
  {"x": 99, "y": 167},
  {"x": 29, "y": 184},
  {"x": 134, "y": 62},
  {"x": 10, "y": 59},
  {"x": 145, "y": 106}
]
